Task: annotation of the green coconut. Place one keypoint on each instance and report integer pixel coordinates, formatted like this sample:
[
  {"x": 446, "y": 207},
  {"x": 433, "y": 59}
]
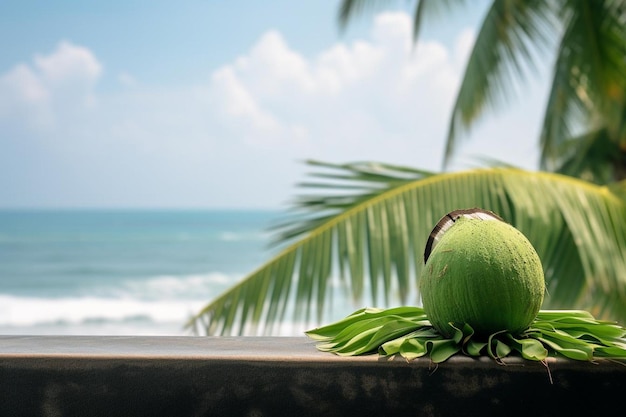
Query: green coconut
[{"x": 484, "y": 273}]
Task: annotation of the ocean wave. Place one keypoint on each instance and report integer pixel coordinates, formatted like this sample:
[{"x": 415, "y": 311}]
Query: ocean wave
[
  {"x": 193, "y": 286},
  {"x": 132, "y": 305},
  {"x": 30, "y": 311},
  {"x": 242, "y": 236},
  {"x": 159, "y": 305},
  {"x": 107, "y": 316}
]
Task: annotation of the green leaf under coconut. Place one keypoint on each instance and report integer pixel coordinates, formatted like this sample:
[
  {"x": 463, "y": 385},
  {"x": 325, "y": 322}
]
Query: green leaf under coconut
[
  {"x": 529, "y": 348},
  {"x": 406, "y": 331}
]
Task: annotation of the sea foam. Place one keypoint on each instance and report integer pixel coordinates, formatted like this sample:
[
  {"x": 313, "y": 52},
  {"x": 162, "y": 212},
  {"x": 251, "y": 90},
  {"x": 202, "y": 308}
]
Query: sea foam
[{"x": 133, "y": 307}]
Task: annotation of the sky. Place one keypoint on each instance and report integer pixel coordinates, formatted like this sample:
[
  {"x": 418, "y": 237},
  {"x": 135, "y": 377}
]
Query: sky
[{"x": 216, "y": 104}]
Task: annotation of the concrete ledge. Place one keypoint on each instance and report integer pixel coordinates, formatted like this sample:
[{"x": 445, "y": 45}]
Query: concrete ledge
[{"x": 198, "y": 376}]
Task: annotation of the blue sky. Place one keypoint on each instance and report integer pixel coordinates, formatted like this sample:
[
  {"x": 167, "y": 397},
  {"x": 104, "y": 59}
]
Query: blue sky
[{"x": 214, "y": 103}]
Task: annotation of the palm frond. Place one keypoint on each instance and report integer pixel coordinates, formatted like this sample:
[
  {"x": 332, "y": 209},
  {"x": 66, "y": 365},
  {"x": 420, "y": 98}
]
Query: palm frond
[
  {"x": 588, "y": 90},
  {"x": 512, "y": 35},
  {"x": 589, "y": 77},
  {"x": 349, "y": 9},
  {"x": 374, "y": 241},
  {"x": 429, "y": 9},
  {"x": 364, "y": 179},
  {"x": 591, "y": 156},
  {"x": 619, "y": 189}
]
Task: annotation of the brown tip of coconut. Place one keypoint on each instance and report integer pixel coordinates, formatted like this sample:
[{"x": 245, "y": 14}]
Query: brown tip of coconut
[{"x": 449, "y": 219}]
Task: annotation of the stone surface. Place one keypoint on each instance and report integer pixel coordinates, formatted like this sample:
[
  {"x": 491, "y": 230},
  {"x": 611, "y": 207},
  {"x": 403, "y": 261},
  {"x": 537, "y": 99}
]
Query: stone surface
[{"x": 210, "y": 376}]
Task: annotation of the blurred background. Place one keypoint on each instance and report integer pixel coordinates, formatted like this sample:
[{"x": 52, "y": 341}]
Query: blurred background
[{"x": 145, "y": 146}]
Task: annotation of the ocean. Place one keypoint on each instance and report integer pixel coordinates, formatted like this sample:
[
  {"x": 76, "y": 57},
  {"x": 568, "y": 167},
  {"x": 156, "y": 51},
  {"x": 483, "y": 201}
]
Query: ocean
[{"x": 121, "y": 272}]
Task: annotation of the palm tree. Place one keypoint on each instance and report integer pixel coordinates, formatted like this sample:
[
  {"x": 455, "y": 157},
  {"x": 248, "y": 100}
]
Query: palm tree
[
  {"x": 583, "y": 132},
  {"x": 366, "y": 229},
  {"x": 371, "y": 237}
]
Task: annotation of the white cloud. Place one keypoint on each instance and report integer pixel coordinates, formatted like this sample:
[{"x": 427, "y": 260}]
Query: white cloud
[
  {"x": 24, "y": 99},
  {"x": 69, "y": 63},
  {"x": 276, "y": 65},
  {"x": 393, "y": 30},
  {"x": 31, "y": 94},
  {"x": 24, "y": 85},
  {"x": 127, "y": 80},
  {"x": 359, "y": 100},
  {"x": 463, "y": 46},
  {"x": 235, "y": 138},
  {"x": 238, "y": 102},
  {"x": 341, "y": 65}
]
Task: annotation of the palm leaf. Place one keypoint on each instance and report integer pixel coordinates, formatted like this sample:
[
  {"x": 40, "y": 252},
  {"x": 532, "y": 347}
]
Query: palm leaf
[
  {"x": 348, "y": 9},
  {"x": 589, "y": 77},
  {"x": 512, "y": 33},
  {"x": 509, "y": 40},
  {"x": 619, "y": 188},
  {"x": 373, "y": 241},
  {"x": 588, "y": 90},
  {"x": 592, "y": 156}
]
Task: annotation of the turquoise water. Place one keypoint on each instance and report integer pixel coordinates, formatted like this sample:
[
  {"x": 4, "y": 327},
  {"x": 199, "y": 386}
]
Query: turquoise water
[{"x": 121, "y": 272}]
